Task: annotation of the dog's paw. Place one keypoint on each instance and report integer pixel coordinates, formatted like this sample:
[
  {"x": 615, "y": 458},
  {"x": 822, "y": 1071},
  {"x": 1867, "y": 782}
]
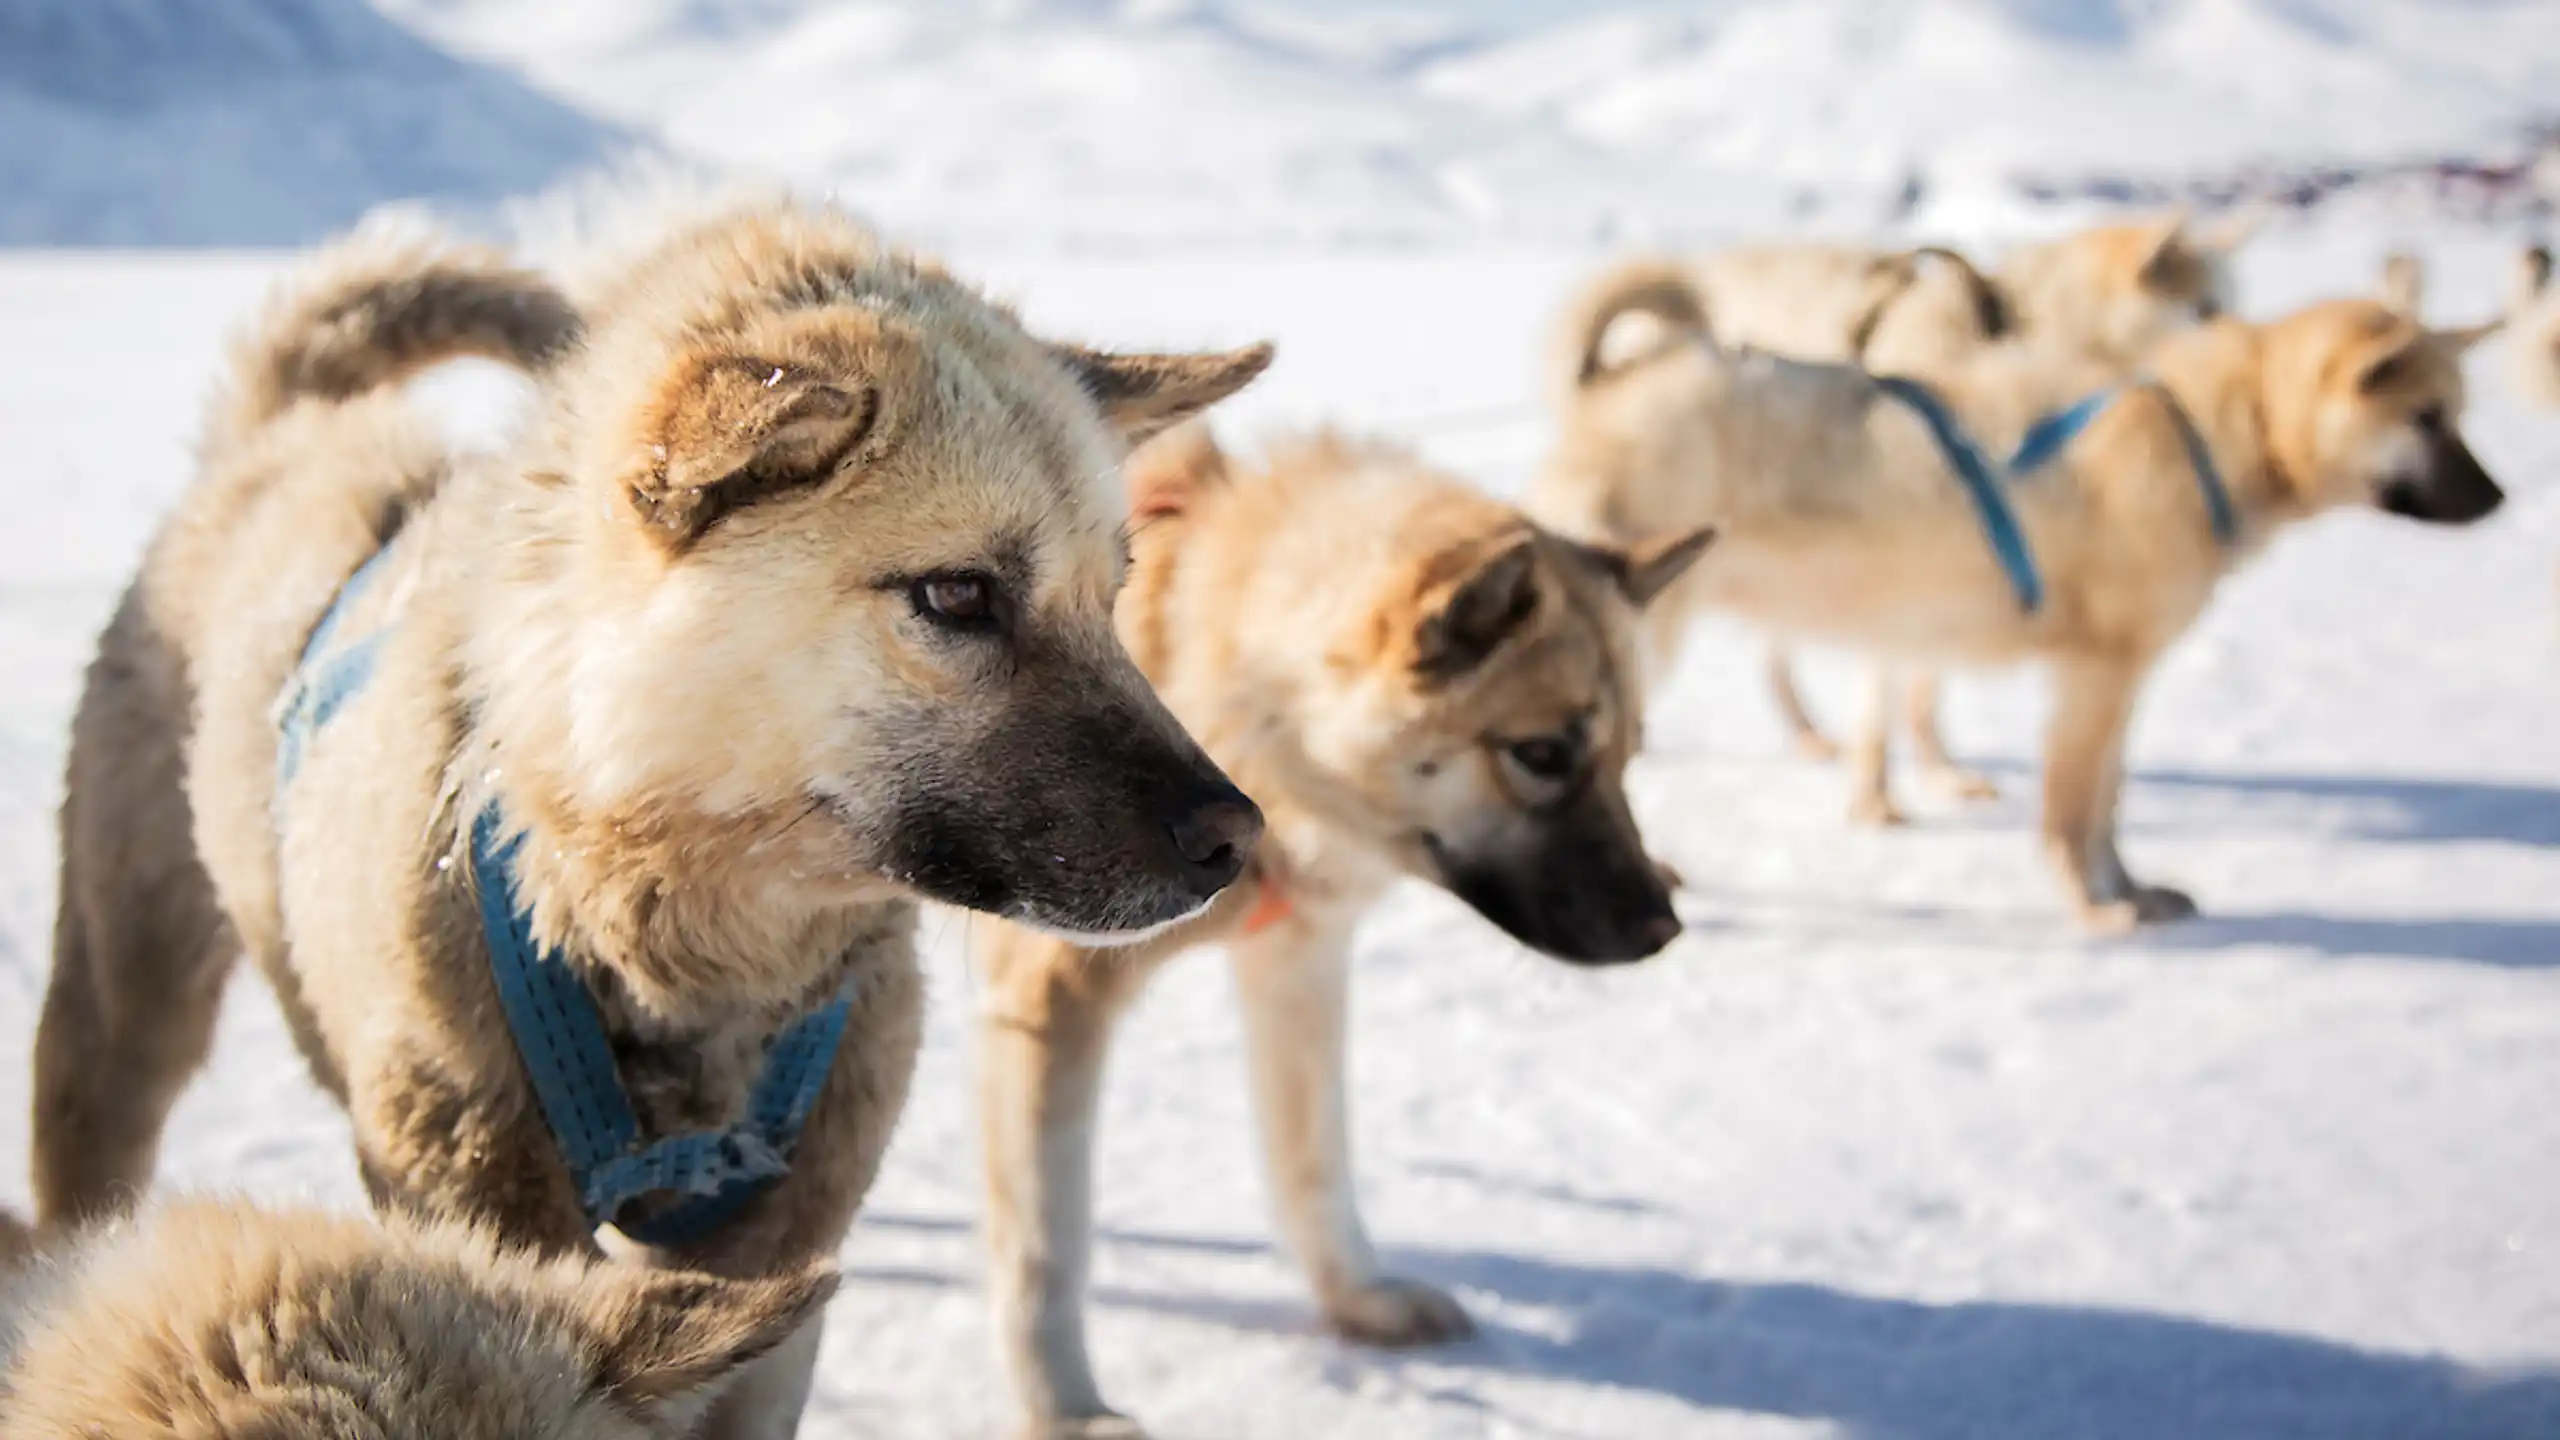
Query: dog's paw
[
  {"x": 1817, "y": 747},
  {"x": 2159, "y": 905},
  {"x": 1957, "y": 784},
  {"x": 1670, "y": 877},
  {"x": 2147, "y": 905},
  {"x": 1875, "y": 810},
  {"x": 1106, "y": 1426},
  {"x": 1397, "y": 1314}
]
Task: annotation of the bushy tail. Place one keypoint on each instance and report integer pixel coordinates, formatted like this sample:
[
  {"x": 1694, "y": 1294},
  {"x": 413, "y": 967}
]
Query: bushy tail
[
  {"x": 1663, "y": 289},
  {"x": 375, "y": 308}
]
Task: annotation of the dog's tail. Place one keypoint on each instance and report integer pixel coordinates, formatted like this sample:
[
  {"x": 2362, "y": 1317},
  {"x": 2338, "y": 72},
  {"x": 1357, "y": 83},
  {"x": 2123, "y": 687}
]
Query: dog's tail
[
  {"x": 1663, "y": 289},
  {"x": 376, "y": 308},
  {"x": 1991, "y": 310}
]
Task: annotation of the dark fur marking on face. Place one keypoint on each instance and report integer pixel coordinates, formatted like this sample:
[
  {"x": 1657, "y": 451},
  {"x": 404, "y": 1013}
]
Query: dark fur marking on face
[{"x": 2454, "y": 490}]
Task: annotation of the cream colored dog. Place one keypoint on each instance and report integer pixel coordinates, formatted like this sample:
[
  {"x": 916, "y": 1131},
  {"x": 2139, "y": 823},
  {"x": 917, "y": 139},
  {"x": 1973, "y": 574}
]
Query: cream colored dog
[
  {"x": 1841, "y": 517},
  {"x": 216, "y": 1321},
  {"x": 2533, "y": 320},
  {"x": 792, "y": 607},
  {"x": 1414, "y": 681},
  {"x": 2090, "y": 302}
]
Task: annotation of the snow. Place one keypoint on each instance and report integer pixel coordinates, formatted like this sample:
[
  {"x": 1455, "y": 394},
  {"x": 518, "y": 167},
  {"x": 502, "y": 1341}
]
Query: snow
[{"x": 1880, "y": 1149}]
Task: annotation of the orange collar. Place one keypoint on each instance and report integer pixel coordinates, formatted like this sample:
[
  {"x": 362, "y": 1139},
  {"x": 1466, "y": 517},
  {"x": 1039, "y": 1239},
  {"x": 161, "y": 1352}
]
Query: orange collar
[{"x": 1271, "y": 904}]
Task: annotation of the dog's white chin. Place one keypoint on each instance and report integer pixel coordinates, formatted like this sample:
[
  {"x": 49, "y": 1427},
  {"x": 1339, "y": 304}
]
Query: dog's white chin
[{"x": 1110, "y": 939}]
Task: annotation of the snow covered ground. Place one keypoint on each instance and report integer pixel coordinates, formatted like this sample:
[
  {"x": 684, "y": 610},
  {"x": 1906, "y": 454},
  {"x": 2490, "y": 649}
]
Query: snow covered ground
[{"x": 1880, "y": 1149}]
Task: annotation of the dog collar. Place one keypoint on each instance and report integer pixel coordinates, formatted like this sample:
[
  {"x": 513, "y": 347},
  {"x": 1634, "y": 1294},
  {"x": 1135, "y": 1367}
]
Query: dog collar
[{"x": 1272, "y": 904}]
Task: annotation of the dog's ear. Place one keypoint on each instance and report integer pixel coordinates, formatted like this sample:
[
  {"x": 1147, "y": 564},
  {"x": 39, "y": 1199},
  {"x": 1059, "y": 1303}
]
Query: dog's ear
[
  {"x": 727, "y": 430},
  {"x": 661, "y": 1335},
  {"x": 1142, "y": 394},
  {"x": 2461, "y": 338},
  {"x": 2397, "y": 366},
  {"x": 2533, "y": 272},
  {"x": 1466, "y": 620},
  {"x": 2228, "y": 232},
  {"x": 2163, "y": 245},
  {"x": 1646, "y": 569}
]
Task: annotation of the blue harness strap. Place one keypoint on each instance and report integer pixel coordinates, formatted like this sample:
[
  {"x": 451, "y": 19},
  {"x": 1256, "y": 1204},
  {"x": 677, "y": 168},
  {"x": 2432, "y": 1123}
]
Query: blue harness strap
[
  {"x": 2217, "y": 496},
  {"x": 2047, "y": 438},
  {"x": 561, "y": 1038},
  {"x": 324, "y": 682},
  {"x": 560, "y": 1035},
  {"x": 1990, "y": 499}
]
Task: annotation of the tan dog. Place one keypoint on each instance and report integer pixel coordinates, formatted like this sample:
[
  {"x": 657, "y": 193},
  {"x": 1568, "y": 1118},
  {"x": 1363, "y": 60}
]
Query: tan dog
[
  {"x": 1413, "y": 680},
  {"x": 1840, "y": 516},
  {"x": 793, "y": 606},
  {"x": 206, "y": 1320},
  {"x": 2093, "y": 300},
  {"x": 2533, "y": 318}
]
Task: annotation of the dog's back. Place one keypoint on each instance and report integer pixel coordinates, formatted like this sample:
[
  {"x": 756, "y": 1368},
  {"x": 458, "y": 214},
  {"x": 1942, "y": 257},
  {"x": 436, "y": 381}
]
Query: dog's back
[{"x": 1812, "y": 302}]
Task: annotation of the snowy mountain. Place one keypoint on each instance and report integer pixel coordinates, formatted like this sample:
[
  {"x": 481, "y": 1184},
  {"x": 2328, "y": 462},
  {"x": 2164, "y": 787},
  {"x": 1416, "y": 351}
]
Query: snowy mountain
[
  {"x": 1226, "y": 122},
  {"x": 251, "y": 121}
]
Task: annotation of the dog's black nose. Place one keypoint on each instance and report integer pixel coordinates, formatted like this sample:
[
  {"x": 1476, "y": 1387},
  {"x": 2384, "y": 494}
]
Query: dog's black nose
[{"x": 1213, "y": 841}]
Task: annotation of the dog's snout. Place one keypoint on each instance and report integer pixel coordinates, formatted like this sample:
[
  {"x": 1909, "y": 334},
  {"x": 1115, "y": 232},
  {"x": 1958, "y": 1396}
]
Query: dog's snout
[
  {"x": 1658, "y": 931},
  {"x": 1214, "y": 838}
]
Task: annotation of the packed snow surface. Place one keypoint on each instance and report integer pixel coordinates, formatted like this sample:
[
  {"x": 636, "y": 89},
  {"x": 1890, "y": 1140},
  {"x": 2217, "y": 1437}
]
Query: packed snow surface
[{"x": 1881, "y": 1148}]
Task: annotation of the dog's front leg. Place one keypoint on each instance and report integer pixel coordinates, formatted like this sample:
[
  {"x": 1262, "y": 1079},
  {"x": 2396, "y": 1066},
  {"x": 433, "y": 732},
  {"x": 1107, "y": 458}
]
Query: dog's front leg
[
  {"x": 1044, "y": 1032},
  {"x": 1294, "y": 980},
  {"x": 2084, "y": 766}
]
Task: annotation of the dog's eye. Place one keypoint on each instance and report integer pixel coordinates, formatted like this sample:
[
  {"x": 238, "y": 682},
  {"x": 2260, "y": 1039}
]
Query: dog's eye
[
  {"x": 2430, "y": 421},
  {"x": 1545, "y": 757},
  {"x": 964, "y": 601}
]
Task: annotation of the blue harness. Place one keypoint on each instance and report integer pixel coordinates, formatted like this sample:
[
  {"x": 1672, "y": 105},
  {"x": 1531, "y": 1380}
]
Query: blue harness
[
  {"x": 1990, "y": 498},
  {"x": 2044, "y": 440},
  {"x": 560, "y": 1035}
]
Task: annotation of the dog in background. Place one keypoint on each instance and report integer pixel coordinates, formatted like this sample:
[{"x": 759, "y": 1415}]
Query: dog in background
[
  {"x": 1412, "y": 680},
  {"x": 2090, "y": 302},
  {"x": 791, "y": 608},
  {"x": 204, "y": 1319},
  {"x": 1839, "y": 514},
  {"x": 2533, "y": 320},
  {"x": 2403, "y": 284}
]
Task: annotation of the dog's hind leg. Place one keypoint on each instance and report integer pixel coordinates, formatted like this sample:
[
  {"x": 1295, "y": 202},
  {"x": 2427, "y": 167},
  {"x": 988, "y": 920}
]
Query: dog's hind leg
[
  {"x": 2084, "y": 763},
  {"x": 1802, "y": 733},
  {"x": 141, "y": 951},
  {"x": 1295, "y": 985},
  {"x": 1938, "y": 770},
  {"x": 1870, "y": 756},
  {"x": 1044, "y": 1033}
]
